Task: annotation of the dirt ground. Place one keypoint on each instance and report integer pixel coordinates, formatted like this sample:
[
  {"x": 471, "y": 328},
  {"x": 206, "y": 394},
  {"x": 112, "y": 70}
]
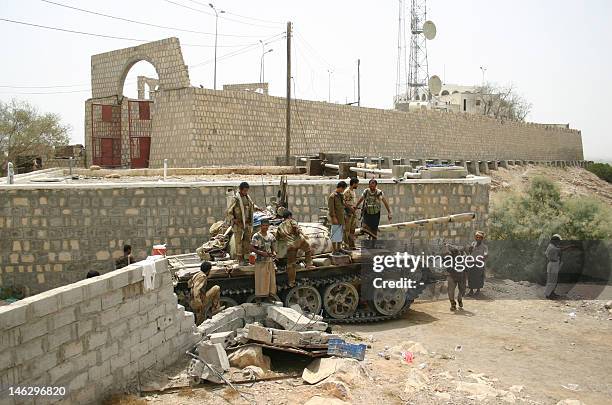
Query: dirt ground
[
  {"x": 507, "y": 346},
  {"x": 573, "y": 181}
]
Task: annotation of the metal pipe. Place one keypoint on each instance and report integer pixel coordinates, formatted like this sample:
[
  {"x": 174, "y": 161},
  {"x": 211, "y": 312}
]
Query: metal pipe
[
  {"x": 332, "y": 166},
  {"x": 373, "y": 171}
]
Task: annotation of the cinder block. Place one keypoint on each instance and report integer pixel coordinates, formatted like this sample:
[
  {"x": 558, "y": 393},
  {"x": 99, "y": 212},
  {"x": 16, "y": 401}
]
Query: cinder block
[
  {"x": 107, "y": 352},
  {"x": 13, "y": 314},
  {"x": 91, "y": 306},
  {"x": 71, "y": 349},
  {"x": 214, "y": 354},
  {"x": 111, "y": 299},
  {"x": 71, "y": 295},
  {"x": 33, "y": 330},
  {"x": 120, "y": 360},
  {"x": 137, "y": 351},
  {"x": 95, "y": 286},
  {"x": 78, "y": 382},
  {"x": 255, "y": 311},
  {"x": 224, "y": 338},
  {"x": 42, "y": 304},
  {"x": 147, "y": 361},
  {"x": 147, "y": 301},
  {"x": 147, "y": 331},
  {"x": 61, "y": 336},
  {"x": 290, "y": 319},
  {"x": 96, "y": 373},
  {"x": 63, "y": 317},
  {"x": 96, "y": 339}
]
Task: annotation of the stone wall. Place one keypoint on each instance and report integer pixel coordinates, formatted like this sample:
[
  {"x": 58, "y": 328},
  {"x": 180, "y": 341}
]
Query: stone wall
[
  {"x": 53, "y": 233},
  {"x": 93, "y": 337}
]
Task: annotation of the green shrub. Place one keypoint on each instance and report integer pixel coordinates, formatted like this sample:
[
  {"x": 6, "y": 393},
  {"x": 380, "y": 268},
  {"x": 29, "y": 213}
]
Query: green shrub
[{"x": 601, "y": 170}]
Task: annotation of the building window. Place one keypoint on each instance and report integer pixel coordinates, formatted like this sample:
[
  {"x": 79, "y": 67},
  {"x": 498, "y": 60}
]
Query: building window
[
  {"x": 477, "y": 102},
  {"x": 107, "y": 113}
]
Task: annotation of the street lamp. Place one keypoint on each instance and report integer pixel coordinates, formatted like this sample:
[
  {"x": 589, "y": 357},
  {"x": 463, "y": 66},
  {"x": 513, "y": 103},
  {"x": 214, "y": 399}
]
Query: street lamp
[
  {"x": 483, "y": 69},
  {"x": 261, "y": 65},
  {"x": 216, "y": 25},
  {"x": 329, "y": 73}
]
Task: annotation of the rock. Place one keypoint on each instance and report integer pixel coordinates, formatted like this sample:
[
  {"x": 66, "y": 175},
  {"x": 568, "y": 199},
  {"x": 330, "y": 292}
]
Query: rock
[
  {"x": 250, "y": 355},
  {"x": 417, "y": 380},
  {"x": 259, "y": 334},
  {"x": 318, "y": 400},
  {"x": 409, "y": 346},
  {"x": 94, "y": 167},
  {"x": 443, "y": 395},
  {"x": 214, "y": 354},
  {"x": 349, "y": 371},
  {"x": 517, "y": 388},
  {"x": 112, "y": 176},
  {"x": 336, "y": 388},
  {"x": 480, "y": 391},
  {"x": 608, "y": 305},
  {"x": 570, "y": 402},
  {"x": 290, "y": 319},
  {"x": 253, "y": 371}
]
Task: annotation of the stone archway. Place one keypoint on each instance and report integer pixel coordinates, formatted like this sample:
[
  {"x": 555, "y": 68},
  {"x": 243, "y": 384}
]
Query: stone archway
[{"x": 109, "y": 70}]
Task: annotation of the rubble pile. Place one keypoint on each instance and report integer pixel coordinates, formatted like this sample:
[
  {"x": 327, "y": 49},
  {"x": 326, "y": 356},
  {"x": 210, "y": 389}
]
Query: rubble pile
[{"x": 237, "y": 336}]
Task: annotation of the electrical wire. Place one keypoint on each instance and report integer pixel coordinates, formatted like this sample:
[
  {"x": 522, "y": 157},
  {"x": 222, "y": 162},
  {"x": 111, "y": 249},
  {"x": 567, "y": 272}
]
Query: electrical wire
[
  {"x": 106, "y": 36},
  {"x": 221, "y": 16},
  {"x": 144, "y": 23},
  {"x": 241, "y": 16}
]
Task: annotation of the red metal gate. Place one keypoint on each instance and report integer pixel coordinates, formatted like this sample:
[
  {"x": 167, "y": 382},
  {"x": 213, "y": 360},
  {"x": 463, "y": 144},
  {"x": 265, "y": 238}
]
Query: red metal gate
[
  {"x": 139, "y": 116},
  {"x": 106, "y": 135}
]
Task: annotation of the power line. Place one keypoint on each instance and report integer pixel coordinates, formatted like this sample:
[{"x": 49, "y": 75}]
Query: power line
[
  {"x": 144, "y": 23},
  {"x": 104, "y": 35},
  {"x": 222, "y": 17},
  {"x": 241, "y": 16}
]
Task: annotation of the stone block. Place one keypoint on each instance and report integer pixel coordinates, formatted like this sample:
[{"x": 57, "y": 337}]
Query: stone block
[
  {"x": 13, "y": 315},
  {"x": 214, "y": 354},
  {"x": 111, "y": 299},
  {"x": 223, "y": 338},
  {"x": 314, "y": 167},
  {"x": 71, "y": 295},
  {"x": 399, "y": 170},
  {"x": 254, "y": 310},
  {"x": 259, "y": 334},
  {"x": 33, "y": 330},
  {"x": 290, "y": 319},
  {"x": 63, "y": 317},
  {"x": 286, "y": 338}
]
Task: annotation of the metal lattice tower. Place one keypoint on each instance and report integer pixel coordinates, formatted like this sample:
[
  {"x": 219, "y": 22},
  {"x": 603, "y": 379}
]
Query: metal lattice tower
[
  {"x": 418, "y": 73},
  {"x": 412, "y": 75}
]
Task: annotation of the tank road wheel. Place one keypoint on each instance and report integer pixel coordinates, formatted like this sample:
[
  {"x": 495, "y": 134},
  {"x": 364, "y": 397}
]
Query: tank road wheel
[
  {"x": 251, "y": 298},
  {"x": 389, "y": 301},
  {"x": 227, "y": 302},
  {"x": 340, "y": 300},
  {"x": 307, "y": 297}
]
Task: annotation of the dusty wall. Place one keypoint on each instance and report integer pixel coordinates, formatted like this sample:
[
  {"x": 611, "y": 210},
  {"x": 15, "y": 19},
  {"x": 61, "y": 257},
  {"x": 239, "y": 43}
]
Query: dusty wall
[
  {"x": 92, "y": 337},
  {"x": 53, "y": 234}
]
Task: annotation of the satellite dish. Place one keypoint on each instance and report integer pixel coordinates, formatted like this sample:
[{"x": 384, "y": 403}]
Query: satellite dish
[
  {"x": 429, "y": 30},
  {"x": 435, "y": 84}
]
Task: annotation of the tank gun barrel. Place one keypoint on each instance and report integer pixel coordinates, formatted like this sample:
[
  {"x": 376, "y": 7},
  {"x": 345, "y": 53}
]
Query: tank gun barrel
[{"x": 463, "y": 217}]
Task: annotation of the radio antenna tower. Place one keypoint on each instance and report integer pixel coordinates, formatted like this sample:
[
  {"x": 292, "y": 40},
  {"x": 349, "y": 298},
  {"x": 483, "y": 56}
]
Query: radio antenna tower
[{"x": 413, "y": 81}]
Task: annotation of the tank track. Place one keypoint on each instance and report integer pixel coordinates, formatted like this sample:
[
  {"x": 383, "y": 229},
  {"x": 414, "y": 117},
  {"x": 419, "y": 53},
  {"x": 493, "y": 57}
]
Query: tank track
[{"x": 361, "y": 315}]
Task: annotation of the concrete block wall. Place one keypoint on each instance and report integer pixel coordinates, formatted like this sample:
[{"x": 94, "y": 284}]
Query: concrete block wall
[
  {"x": 53, "y": 234},
  {"x": 234, "y": 127},
  {"x": 93, "y": 337}
]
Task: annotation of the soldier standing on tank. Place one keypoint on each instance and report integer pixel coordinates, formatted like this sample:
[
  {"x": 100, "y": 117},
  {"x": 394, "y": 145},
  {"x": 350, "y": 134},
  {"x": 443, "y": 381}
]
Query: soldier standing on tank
[
  {"x": 372, "y": 198},
  {"x": 203, "y": 303},
  {"x": 351, "y": 213},
  {"x": 335, "y": 207},
  {"x": 240, "y": 215},
  {"x": 262, "y": 244},
  {"x": 289, "y": 231}
]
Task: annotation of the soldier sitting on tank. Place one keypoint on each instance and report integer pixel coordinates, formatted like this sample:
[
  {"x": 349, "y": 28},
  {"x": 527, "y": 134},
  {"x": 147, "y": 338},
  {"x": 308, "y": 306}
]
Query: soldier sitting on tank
[
  {"x": 240, "y": 216},
  {"x": 289, "y": 231},
  {"x": 203, "y": 303}
]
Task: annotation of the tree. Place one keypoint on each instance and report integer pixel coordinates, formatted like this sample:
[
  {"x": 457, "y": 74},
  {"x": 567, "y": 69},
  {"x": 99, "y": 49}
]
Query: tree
[
  {"x": 24, "y": 131},
  {"x": 503, "y": 102}
]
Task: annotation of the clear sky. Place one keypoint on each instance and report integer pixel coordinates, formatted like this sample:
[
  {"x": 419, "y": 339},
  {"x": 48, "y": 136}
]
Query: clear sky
[{"x": 557, "y": 53}]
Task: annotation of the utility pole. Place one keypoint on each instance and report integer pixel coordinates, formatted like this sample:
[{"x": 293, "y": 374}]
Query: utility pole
[
  {"x": 216, "y": 26},
  {"x": 288, "y": 118},
  {"x": 358, "y": 83}
]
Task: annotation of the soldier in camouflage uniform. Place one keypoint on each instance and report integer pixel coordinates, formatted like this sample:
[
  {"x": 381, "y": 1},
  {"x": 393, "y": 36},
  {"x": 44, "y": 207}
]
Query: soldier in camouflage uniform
[
  {"x": 290, "y": 232},
  {"x": 203, "y": 303},
  {"x": 240, "y": 216},
  {"x": 335, "y": 208},
  {"x": 351, "y": 213}
]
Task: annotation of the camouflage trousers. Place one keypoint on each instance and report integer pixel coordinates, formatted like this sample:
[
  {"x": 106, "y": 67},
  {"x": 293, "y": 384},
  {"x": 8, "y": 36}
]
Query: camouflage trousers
[
  {"x": 207, "y": 304},
  {"x": 242, "y": 241},
  {"x": 349, "y": 231},
  {"x": 292, "y": 249}
]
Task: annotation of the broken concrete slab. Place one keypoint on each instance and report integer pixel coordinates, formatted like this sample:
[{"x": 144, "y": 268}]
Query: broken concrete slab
[
  {"x": 259, "y": 334},
  {"x": 213, "y": 354},
  {"x": 251, "y": 355},
  {"x": 223, "y": 338},
  {"x": 286, "y": 338},
  {"x": 290, "y": 319},
  {"x": 349, "y": 371}
]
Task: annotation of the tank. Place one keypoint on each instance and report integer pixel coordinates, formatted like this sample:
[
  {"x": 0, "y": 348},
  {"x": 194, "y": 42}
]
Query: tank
[{"x": 331, "y": 289}]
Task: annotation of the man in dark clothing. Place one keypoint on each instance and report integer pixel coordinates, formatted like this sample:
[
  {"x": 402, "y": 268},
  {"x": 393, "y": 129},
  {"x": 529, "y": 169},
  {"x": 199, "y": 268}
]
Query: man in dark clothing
[
  {"x": 455, "y": 279},
  {"x": 126, "y": 259}
]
